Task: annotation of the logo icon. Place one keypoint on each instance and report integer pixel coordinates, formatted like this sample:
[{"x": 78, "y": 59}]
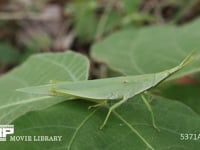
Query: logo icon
[{"x": 6, "y": 130}]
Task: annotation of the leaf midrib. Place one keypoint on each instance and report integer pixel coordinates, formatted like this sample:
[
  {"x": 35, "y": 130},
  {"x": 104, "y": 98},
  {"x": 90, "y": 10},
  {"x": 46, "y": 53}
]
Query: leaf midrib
[
  {"x": 134, "y": 130},
  {"x": 60, "y": 65},
  {"x": 24, "y": 102}
]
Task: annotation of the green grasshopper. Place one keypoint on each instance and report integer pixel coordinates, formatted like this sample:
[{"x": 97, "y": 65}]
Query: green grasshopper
[{"x": 102, "y": 91}]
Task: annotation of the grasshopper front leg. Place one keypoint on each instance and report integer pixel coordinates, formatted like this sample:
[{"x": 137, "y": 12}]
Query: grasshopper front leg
[
  {"x": 104, "y": 103},
  {"x": 111, "y": 109}
]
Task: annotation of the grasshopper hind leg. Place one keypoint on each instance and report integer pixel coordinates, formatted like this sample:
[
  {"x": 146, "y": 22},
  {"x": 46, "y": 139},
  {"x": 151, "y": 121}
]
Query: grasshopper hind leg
[{"x": 151, "y": 112}]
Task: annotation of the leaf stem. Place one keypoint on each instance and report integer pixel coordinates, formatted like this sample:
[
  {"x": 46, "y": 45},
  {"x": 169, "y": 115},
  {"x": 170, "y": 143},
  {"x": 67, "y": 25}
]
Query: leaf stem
[{"x": 103, "y": 20}]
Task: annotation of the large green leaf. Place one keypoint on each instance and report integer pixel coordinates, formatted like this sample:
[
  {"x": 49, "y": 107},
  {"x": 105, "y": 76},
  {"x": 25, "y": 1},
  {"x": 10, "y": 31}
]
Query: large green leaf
[
  {"x": 129, "y": 128},
  {"x": 39, "y": 69},
  {"x": 150, "y": 49}
]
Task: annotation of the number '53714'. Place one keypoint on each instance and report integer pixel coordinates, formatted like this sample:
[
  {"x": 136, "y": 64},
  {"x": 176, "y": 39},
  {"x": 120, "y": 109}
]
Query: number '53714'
[{"x": 190, "y": 136}]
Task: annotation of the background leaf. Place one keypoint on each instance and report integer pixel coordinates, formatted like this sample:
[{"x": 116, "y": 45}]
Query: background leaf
[
  {"x": 89, "y": 10},
  {"x": 78, "y": 125},
  {"x": 148, "y": 50},
  {"x": 130, "y": 5},
  {"x": 83, "y": 30},
  {"x": 8, "y": 54},
  {"x": 39, "y": 69},
  {"x": 188, "y": 94}
]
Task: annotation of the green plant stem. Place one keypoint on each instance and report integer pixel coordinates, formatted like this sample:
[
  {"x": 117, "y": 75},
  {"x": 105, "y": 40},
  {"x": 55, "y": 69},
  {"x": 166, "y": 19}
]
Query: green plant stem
[{"x": 103, "y": 20}]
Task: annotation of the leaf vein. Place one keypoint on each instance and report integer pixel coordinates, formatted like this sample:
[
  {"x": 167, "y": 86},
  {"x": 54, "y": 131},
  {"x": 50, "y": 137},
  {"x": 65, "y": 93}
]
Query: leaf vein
[{"x": 79, "y": 127}]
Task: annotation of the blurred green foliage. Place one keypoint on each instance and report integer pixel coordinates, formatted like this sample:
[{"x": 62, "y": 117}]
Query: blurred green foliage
[
  {"x": 8, "y": 54},
  {"x": 88, "y": 15},
  {"x": 84, "y": 17}
]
